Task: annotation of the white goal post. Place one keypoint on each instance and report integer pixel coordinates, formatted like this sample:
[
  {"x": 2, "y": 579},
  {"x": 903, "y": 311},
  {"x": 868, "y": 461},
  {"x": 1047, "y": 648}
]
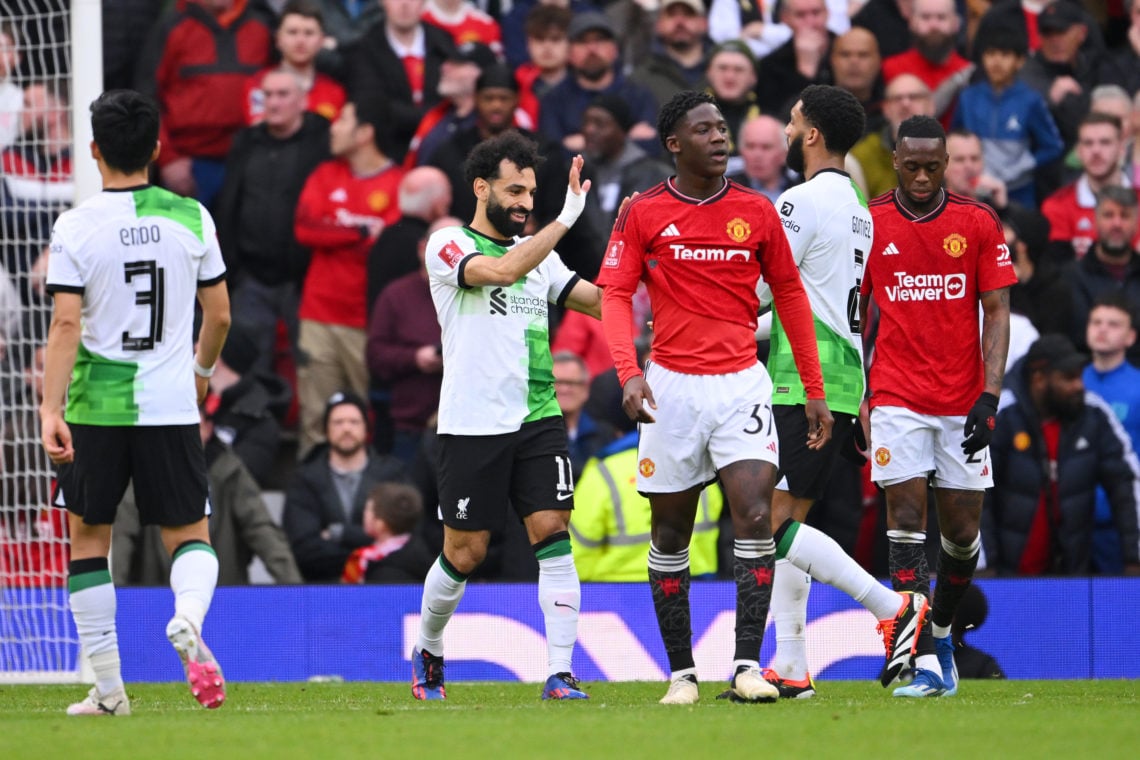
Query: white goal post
[{"x": 60, "y": 61}]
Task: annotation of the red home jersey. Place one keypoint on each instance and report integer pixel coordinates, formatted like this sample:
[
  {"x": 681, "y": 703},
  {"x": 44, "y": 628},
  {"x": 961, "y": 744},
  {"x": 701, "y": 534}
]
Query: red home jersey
[
  {"x": 926, "y": 275},
  {"x": 701, "y": 260},
  {"x": 334, "y": 213}
]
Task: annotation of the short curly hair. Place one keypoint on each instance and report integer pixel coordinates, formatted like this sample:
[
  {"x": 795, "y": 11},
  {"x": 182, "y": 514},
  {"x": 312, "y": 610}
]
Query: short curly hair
[
  {"x": 484, "y": 160},
  {"x": 836, "y": 113},
  {"x": 675, "y": 110}
]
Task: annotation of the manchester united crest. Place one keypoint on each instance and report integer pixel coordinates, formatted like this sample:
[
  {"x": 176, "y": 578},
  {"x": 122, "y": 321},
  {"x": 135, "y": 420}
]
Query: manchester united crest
[
  {"x": 954, "y": 244},
  {"x": 646, "y": 467},
  {"x": 882, "y": 456},
  {"x": 1022, "y": 441},
  {"x": 378, "y": 200},
  {"x": 739, "y": 230}
]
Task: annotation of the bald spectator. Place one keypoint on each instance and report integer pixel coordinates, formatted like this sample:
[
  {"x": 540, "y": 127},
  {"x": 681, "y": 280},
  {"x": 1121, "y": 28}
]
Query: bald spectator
[
  {"x": 764, "y": 150},
  {"x": 265, "y": 172},
  {"x": 731, "y": 77},
  {"x": 871, "y": 161},
  {"x": 855, "y": 65},
  {"x": 799, "y": 62},
  {"x": 966, "y": 171},
  {"x": 424, "y": 197},
  {"x": 676, "y": 59},
  {"x": 396, "y": 65},
  {"x": 934, "y": 27}
]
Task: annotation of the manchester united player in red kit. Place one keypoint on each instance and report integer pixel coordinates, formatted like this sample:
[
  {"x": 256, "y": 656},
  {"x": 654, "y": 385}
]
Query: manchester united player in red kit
[
  {"x": 700, "y": 243},
  {"x": 934, "y": 388}
]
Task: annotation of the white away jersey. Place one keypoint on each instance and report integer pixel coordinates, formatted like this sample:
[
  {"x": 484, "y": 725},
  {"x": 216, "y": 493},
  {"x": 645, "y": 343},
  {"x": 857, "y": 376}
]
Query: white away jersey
[
  {"x": 497, "y": 369},
  {"x": 138, "y": 258},
  {"x": 829, "y": 230}
]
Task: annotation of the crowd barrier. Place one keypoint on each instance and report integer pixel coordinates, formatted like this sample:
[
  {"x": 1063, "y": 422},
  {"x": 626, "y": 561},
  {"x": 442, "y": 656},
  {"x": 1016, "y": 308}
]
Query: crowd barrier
[
  {"x": 1054, "y": 629},
  {"x": 1036, "y": 629}
]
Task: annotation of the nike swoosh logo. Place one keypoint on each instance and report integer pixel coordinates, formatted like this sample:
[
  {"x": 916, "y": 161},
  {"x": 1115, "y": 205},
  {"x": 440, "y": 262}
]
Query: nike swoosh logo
[
  {"x": 429, "y": 609},
  {"x": 563, "y": 496},
  {"x": 567, "y": 606}
]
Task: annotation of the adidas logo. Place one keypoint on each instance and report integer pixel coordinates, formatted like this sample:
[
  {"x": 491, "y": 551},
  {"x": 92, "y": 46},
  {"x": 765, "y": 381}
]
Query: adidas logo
[
  {"x": 890, "y": 250},
  {"x": 1082, "y": 444},
  {"x": 671, "y": 231},
  {"x": 772, "y": 447}
]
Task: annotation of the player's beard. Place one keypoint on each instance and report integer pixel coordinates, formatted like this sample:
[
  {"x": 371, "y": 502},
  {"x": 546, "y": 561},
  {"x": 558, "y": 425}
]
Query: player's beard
[
  {"x": 500, "y": 218},
  {"x": 795, "y": 157}
]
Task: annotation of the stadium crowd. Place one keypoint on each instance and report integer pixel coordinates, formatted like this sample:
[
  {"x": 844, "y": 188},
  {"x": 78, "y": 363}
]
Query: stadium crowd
[{"x": 327, "y": 138}]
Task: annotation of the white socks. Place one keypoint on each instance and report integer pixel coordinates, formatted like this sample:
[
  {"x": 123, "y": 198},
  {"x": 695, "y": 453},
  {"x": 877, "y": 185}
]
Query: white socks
[
  {"x": 790, "y": 588},
  {"x": 813, "y": 551},
  {"x": 443, "y": 588},
  {"x": 560, "y": 597},
  {"x": 92, "y": 600},
  {"x": 193, "y": 577}
]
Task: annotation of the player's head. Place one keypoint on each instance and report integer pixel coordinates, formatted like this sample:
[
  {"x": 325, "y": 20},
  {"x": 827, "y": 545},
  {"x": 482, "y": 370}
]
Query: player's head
[
  {"x": 920, "y": 158},
  {"x": 398, "y": 505},
  {"x": 827, "y": 118},
  {"x": 124, "y": 125},
  {"x": 692, "y": 128},
  {"x": 501, "y": 172},
  {"x": 346, "y": 423}
]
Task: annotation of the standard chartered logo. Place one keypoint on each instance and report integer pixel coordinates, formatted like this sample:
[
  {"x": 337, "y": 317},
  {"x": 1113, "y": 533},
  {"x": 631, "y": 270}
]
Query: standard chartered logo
[
  {"x": 926, "y": 287},
  {"x": 680, "y": 251}
]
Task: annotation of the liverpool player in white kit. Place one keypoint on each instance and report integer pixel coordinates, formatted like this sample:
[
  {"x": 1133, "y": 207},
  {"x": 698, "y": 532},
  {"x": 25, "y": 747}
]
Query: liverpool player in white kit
[
  {"x": 829, "y": 228},
  {"x": 125, "y": 269},
  {"x": 501, "y": 433},
  {"x": 700, "y": 243},
  {"x": 934, "y": 387}
]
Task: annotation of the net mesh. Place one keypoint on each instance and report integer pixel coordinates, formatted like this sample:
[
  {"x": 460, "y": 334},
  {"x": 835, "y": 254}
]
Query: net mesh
[{"x": 37, "y": 638}]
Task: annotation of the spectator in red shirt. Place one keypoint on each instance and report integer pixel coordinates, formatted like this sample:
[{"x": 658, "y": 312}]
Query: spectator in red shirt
[
  {"x": 934, "y": 26},
  {"x": 195, "y": 65},
  {"x": 298, "y": 38},
  {"x": 343, "y": 207},
  {"x": 465, "y": 22},
  {"x": 549, "y": 51},
  {"x": 1071, "y": 211}
]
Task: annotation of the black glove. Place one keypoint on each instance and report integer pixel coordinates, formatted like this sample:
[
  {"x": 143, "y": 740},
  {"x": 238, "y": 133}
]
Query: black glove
[{"x": 979, "y": 427}]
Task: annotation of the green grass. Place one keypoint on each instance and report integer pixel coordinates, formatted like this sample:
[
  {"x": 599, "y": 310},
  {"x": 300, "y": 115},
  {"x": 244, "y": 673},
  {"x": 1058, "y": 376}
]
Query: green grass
[{"x": 328, "y": 721}]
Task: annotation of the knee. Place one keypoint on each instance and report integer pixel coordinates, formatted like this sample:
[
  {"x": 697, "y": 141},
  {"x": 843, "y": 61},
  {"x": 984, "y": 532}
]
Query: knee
[
  {"x": 671, "y": 539},
  {"x": 465, "y": 554},
  {"x": 906, "y": 515},
  {"x": 753, "y": 519},
  {"x": 961, "y": 533}
]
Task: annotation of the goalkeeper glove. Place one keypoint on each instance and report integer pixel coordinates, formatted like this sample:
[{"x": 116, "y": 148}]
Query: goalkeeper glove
[{"x": 979, "y": 428}]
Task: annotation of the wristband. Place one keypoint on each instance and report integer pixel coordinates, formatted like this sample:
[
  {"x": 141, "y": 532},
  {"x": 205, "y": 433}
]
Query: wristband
[
  {"x": 201, "y": 371},
  {"x": 572, "y": 207}
]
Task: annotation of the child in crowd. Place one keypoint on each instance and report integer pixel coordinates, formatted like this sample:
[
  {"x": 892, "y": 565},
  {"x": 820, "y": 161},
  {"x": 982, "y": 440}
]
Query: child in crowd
[
  {"x": 390, "y": 515},
  {"x": 1017, "y": 131}
]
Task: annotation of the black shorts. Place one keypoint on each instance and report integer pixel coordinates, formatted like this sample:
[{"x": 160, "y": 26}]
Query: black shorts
[
  {"x": 479, "y": 475},
  {"x": 807, "y": 470},
  {"x": 166, "y": 463}
]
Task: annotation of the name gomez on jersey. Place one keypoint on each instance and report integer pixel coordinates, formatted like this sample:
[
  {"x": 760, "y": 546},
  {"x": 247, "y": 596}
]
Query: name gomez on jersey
[{"x": 926, "y": 275}]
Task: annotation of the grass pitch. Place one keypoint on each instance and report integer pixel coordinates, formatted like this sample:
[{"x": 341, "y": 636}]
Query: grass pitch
[{"x": 991, "y": 719}]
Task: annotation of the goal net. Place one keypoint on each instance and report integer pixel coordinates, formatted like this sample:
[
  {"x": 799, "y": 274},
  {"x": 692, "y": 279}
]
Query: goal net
[{"x": 37, "y": 637}]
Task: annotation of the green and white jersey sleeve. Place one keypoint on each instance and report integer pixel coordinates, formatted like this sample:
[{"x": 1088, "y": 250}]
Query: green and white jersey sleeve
[
  {"x": 138, "y": 258},
  {"x": 497, "y": 369},
  {"x": 828, "y": 227}
]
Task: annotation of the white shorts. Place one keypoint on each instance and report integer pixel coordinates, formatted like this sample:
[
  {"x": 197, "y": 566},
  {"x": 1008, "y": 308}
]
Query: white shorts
[
  {"x": 704, "y": 423},
  {"x": 906, "y": 445}
]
